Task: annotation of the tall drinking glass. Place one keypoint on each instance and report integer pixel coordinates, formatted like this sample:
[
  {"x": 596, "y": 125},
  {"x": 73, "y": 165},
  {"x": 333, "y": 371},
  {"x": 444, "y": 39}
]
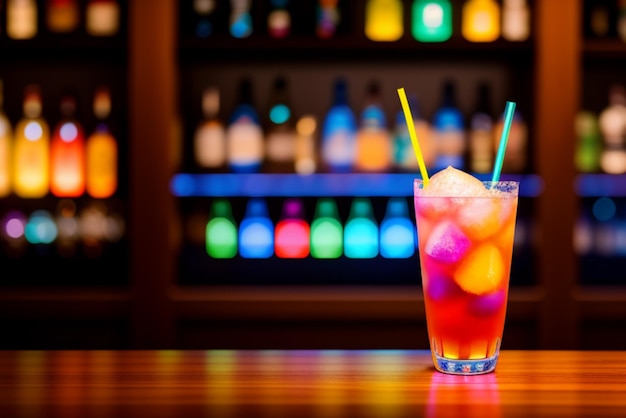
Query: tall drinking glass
[{"x": 465, "y": 251}]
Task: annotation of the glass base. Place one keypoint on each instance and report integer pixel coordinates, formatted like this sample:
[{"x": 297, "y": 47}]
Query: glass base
[{"x": 465, "y": 367}]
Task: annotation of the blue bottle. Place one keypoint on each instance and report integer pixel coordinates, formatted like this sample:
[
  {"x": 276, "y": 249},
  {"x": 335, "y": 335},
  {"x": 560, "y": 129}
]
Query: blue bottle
[
  {"x": 449, "y": 131},
  {"x": 339, "y": 132},
  {"x": 256, "y": 231},
  {"x": 398, "y": 237}
]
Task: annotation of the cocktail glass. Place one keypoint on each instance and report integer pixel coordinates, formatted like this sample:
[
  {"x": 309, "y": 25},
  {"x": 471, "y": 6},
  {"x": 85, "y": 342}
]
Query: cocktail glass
[{"x": 465, "y": 251}]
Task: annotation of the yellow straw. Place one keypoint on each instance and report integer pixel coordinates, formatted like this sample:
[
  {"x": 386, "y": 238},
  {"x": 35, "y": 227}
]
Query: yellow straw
[{"x": 411, "y": 127}]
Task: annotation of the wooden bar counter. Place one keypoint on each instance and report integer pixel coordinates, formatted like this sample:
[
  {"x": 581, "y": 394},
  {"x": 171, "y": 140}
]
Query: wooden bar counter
[{"x": 306, "y": 383}]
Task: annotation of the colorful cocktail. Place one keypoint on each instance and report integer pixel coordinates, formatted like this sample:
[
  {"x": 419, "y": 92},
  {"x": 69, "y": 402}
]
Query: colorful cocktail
[{"x": 465, "y": 230}]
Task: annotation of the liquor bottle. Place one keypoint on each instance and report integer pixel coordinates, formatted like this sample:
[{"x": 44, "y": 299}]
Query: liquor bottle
[
  {"x": 515, "y": 157},
  {"x": 326, "y": 230},
  {"x": 306, "y": 161},
  {"x": 102, "y": 17},
  {"x": 328, "y": 18},
  {"x": 339, "y": 132},
  {"x": 621, "y": 20},
  {"x": 398, "y": 237},
  {"x": 515, "y": 20},
  {"x": 240, "y": 18},
  {"x": 21, "y": 18},
  {"x": 384, "y": 20},
  {"x": 40, "y": 228},
  {"x": 280, "y": 137},
  {"x": 62, "y": 16},
  {"x": 101, "y": 150},
  {"x": 292, "y": 236},
  {"x": 481, "y": 133},
  {"x": 480, "y": 20},
  {"x": 361, "y": 236},
  {"x": 612, "y": 122},
  {"x": 244, "y": 136},
  {"x": 597, "y": 16},
  {"x": 373, "y": 139},
  {"x": 13, "y": 226},
  {"x": 67, "y": 153},
  {"x": 204, "y": 11},
  {"x": 588, "y": 142},
  {"x": 31, "y": 158},
  {"x": 279, "y": 19},
  {"x": 209, "y": 142},
  {"x": 431, "y": 20},
  {"x": 6, "y": 147},
  {"x": 256, "y": 231},
  {"x": 221, "y": 231},
  {"x": 404, "y": 158},
  {"x": 67, "y": 228},
  {"x": 449, "y": 130}
]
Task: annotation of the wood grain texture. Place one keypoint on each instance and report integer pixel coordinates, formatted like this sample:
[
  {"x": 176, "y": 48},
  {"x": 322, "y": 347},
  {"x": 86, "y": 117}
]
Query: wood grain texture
[{"x": 306, "y": 383}]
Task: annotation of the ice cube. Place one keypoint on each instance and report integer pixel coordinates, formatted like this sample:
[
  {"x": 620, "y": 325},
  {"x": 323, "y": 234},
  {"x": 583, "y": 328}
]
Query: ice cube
[
  {"x": 447, "y": 243},
  {"x": 480, "y": 217},
  {"x": 482, "y": 271},
  {"x": 438, "y": 285},
  {"x": 433, "y": 207},
  {"x": 452, "y": 182},
  {"x": 487, "y": 304}
]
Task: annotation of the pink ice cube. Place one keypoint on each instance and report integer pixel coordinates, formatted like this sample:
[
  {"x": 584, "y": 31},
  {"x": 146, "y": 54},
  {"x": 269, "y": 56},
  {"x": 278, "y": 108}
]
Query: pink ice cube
[
  {"x": 447, "y": 243},
  {"x": 440, "y": 286},
  {"x": 487, "y": 304}
]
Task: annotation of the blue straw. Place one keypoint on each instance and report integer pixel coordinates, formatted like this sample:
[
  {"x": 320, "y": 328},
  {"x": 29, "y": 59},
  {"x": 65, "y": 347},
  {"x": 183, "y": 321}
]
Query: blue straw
[{"x": 509, "y": 111}]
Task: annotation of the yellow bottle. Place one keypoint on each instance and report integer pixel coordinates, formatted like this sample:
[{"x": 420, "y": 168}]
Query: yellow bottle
[
  {"x": 5, "y": 148},
  {"x": 101, "y": 151},
  {"x": 480, "y": 21},
  {"x": 383, "y": 20},
  {"x": 21, "y": 19},
  {"x": 31, "y": 162}
]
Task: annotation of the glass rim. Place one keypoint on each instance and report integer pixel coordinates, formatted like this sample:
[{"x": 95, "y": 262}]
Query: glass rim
[{"x": 505, "y": 189}]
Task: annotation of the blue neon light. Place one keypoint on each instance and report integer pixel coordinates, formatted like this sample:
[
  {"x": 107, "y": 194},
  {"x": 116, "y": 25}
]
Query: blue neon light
[{"x": 287, "y": 185}]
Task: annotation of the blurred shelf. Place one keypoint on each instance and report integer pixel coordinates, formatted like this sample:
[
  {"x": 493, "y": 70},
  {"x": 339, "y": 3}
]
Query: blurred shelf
[
  {"x": 266, "y": 185},
  {"x": 348, "y": 47},
  {"x": 600, "y": 302},
  {"x": 65, "y": 302},
  {"x": 597, "y": 185},
  {"x": 613, "y": 49},
  {"x": 323, "y": 302}
]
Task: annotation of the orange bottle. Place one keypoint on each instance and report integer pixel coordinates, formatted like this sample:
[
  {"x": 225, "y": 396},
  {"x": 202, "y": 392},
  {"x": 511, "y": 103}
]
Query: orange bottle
[
  {"x": 101, "y": 150},
  {"x": 31, "y": 154},
  {"x": 67, "y": 153}
]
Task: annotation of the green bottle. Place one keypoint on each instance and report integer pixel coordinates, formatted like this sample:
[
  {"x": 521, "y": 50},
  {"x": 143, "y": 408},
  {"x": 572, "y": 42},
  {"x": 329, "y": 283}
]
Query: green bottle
[
  {"x": 431, "y": 20},
  {"x": 221, "y": 231},
  {"x": 326, "y": 230},
  {"x": 588, "y": 142}
]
